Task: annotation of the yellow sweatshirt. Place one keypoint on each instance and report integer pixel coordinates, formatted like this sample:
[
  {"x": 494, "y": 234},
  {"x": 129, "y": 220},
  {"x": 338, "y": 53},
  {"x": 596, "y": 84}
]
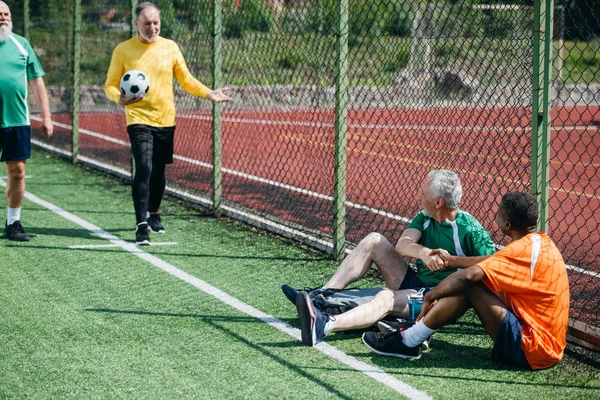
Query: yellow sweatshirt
[{"x": 159, "y": 61}]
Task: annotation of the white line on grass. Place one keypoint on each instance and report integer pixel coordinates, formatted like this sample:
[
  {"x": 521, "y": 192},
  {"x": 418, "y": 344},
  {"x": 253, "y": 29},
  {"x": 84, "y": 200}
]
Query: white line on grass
[
  {"x": 369, "y": 370},
  {"x": 97, "y": 246}
]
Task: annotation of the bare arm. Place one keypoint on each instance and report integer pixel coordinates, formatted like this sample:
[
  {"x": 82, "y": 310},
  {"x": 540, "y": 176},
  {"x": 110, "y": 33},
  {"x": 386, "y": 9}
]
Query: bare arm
[
  {"x": 451, "y": 261},
  {"x": 408, "y": 246},
  {"x": 453, "y": 284},
  {"x": 39, "y": 91}
]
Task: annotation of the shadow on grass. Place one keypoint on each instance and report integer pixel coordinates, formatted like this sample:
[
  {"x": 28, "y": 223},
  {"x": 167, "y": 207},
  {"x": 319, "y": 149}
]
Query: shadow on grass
[
  {"x": 212, "y": 321},
  {"x": 64, "y": 232},
  {"x": 156, "y": 253}
]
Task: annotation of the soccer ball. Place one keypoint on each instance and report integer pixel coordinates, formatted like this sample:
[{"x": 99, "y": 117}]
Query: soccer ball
[{"x": 134, "y": 82}]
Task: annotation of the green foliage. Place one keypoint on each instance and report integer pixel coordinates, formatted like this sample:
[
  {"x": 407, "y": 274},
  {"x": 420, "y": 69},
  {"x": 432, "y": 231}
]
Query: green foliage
[
  {"x": 251, "y": 15},
  {"x": 291, "y": 60},
  {"x": 365, "y": 17}
]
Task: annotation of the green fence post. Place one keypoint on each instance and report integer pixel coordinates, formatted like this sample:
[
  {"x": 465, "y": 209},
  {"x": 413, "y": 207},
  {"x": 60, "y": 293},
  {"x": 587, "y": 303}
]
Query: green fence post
[
  {"x": 542, "y": 59},
  {"x": 341, "y": 126},
  {"x": 216, "y": 108},
  {"x": 26, "y": 18},
  {"x": 75, "y": 88},
  {"x": 132, "y": 28}
]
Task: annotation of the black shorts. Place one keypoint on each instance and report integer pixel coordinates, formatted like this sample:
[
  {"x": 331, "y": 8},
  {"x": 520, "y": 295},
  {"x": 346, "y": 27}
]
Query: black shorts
[
  {"x": 156, "y": 140},
  {"x": 410, "y": 281},
  {"x": 15, "y": 143}
]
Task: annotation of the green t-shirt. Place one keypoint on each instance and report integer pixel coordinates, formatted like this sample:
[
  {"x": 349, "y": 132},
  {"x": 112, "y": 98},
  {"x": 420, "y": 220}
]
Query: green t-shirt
[
  {"x": 463, "y": 237},
  {"x": 18, "y": 64}
]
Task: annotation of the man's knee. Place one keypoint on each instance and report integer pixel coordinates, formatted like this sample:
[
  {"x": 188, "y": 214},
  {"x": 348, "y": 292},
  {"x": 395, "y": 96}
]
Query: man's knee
[
  {"x": 386, "y": 299},
  {"x": 374, "y": 240},
  {"x": 15, "y": 170}
]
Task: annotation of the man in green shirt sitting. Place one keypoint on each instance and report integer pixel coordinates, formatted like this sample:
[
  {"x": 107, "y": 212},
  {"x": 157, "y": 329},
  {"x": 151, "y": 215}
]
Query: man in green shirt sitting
[{"x": 440, "y": 225}]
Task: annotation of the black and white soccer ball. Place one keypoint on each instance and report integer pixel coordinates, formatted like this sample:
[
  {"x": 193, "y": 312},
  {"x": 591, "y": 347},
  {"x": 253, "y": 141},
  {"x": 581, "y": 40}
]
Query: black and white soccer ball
[{"x": 134, "y": 82}]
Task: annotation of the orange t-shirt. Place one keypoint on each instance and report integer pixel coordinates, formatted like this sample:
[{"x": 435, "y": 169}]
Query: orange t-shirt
[{"x": 533, "y": 277}]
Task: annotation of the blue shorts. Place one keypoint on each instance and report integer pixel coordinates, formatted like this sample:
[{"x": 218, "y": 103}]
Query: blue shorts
[
  {"x": 410, "y": 281},
  {"x": 508, "y": 349},
  {"x": 15, "y": 143}
]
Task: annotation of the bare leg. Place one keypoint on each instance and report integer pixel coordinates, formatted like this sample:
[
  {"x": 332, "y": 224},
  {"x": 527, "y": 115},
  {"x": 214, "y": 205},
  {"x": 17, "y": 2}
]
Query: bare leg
[
  {"x": 385, "y": 302},
  {"x": 490, "y": 309},
  {"x": 15, "y": 187},
  {"x": 374, "y": 248}
]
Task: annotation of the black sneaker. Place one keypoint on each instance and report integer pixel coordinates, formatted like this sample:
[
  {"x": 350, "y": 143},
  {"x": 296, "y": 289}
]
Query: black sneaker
[
  {"x": 154, "y": 223},
  {"x": 289, "y": 292},
  {"x": 16, "y": 232},
  {"x": 292, "y": 293},
  {"x": 390, "y": 344},
  {"x": 394, "y": 325},
  {"x": 312, "y": 321},
  {"x": 142, "y": 234}
]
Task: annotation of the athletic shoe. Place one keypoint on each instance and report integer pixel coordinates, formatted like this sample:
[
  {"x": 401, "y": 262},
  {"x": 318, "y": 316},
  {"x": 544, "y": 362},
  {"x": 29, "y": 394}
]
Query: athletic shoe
[
  {"x": 292, "y": 294},
  {"x": 312, "y": 321},
  {"x": 289, "y": 292},
  {"x": 16, "y": 232},
  {"x": 390, "y": 344},
  {"x": 154, "y": 223},
  {"x": 142, "y": 234},
  {"x": 394, "y": 325}
]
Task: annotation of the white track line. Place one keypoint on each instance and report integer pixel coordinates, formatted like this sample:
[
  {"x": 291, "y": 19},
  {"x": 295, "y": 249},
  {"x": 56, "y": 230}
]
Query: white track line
[{"x": 367, "y": 369}]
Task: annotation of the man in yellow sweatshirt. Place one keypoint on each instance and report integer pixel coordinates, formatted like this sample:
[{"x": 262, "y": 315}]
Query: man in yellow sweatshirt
[{"x": 151, "y": 118}]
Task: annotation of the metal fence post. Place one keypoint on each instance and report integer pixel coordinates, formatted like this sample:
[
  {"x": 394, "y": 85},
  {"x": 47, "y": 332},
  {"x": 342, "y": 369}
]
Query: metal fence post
[
  {"x": 132, "y": 28},
  {"x": 542, "y": 58},
  {"x": 216, "y": 108},
  {"x": 26, "y": 19},
  {"x": 75, "y": 89},
  {"x": 341, "y": 125}
]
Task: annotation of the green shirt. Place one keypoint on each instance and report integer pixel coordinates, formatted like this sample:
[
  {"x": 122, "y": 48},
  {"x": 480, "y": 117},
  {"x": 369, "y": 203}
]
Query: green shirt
[
  {"x": 462, "y": 237},
  {"x": 18, "y": 64}
]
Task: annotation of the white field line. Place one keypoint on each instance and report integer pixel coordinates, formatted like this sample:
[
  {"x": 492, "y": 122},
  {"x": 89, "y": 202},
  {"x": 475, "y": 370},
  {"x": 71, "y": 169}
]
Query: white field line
[
  {"x": 103, "y": 246},
  {"x": 360, "y": 366},
  {"x": 267, "y": 181}
]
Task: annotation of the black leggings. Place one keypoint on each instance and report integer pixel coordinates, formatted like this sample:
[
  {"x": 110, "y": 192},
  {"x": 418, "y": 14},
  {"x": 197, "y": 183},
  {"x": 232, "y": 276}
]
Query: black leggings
[{"x": 152, "y": 150}]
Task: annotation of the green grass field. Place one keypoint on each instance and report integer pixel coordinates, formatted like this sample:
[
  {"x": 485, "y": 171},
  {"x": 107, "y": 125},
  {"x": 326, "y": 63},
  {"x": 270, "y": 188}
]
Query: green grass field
[{"x": 111, "y": 322}]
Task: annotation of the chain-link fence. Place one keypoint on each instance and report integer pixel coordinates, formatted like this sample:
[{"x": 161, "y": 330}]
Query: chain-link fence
[{"x": 424, "y": 85}]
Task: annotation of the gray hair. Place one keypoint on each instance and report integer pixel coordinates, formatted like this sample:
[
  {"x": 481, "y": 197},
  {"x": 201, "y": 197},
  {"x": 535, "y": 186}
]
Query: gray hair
[
  {"x": 446, "y": 184},
  {"x": 142, "y": 6}
]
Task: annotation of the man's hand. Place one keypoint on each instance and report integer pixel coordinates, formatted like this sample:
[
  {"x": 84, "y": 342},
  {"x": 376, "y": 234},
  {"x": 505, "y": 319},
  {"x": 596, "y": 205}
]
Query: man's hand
[
  {"x": 427, "y": 304},
  {"x": 443, "y": 255},
  {"x": 127, "y": 100},
  {"x": 47, "y": 127},
  {"x": 433, "y": 261},
  {"x": 219, "y": 95}
]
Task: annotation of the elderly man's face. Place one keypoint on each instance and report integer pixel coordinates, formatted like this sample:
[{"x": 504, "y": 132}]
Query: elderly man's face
[
  {"x": 5, "y": 22},
  {"x": 427, "y": 199},
  {"x": 148, "y": 25}
]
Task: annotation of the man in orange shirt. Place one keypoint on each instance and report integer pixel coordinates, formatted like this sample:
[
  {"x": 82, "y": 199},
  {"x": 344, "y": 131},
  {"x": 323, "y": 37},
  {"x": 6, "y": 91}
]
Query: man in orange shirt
[{"x": 521, "y": 295}]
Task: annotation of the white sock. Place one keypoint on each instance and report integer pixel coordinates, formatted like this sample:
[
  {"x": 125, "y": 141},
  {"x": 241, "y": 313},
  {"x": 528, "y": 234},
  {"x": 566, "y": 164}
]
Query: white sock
[
  {"x": 416, "y": 334},
  {"x": 13, "y": 215},
  {"x": 329, "y": 325},
  {"x": 147, "y": 214}
]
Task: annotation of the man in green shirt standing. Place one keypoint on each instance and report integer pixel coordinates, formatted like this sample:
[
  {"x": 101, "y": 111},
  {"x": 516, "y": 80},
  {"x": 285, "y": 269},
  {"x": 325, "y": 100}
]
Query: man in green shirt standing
[
  {"x": 441, "y": 226},
  {"x": 18, "y": 65}
]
